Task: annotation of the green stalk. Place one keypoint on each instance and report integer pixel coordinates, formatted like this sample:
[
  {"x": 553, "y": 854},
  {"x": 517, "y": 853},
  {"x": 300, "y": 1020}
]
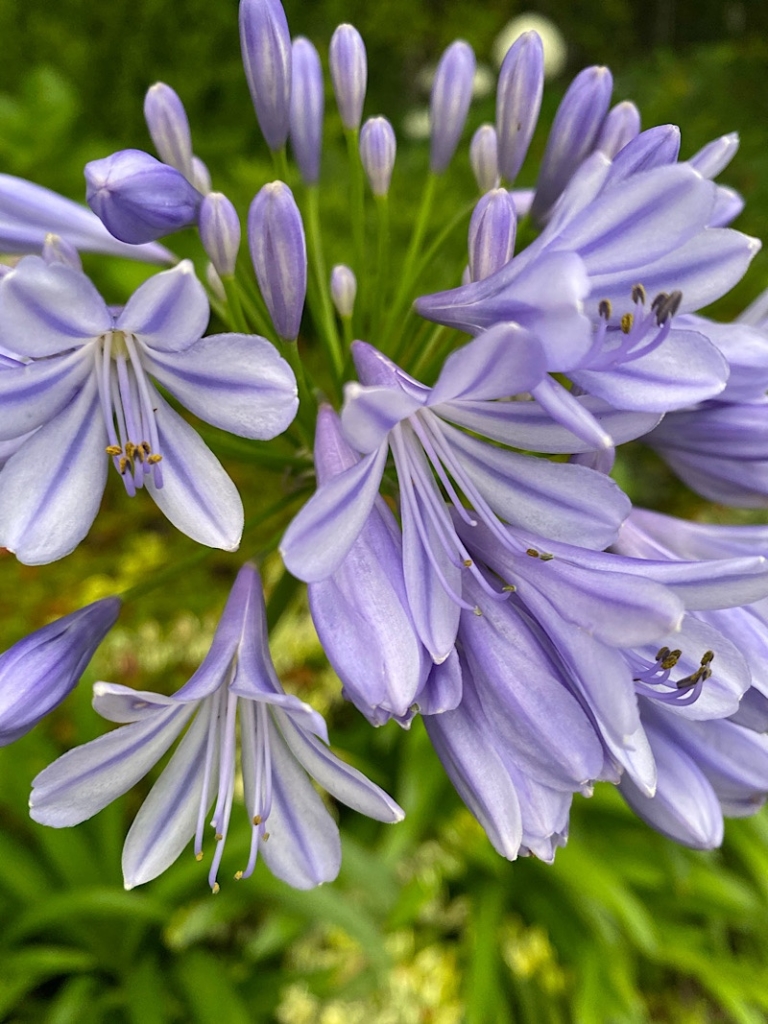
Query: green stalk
[
  {"x": 324, "y": 314},
  {"x": 381, "y": 278},
  {"x": 280, "y": 160},
  {"x": 414, "y": 247},
  {"x": 357, "y": 204},
  {"x": 237, "y": 318}
]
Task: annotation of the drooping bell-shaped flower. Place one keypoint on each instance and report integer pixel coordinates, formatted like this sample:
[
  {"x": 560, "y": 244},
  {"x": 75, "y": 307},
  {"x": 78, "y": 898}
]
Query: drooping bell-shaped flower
[
  {"x": 265, "y": 42},
  {"x": 349, "y": 74},
  {"x": 279, "y": 254},
  {"x": 282, "y": 742},
  {"x": 38, "y": 672},
  {"x": 85, "y": 397},
  {"x": 138, "y": 198}
]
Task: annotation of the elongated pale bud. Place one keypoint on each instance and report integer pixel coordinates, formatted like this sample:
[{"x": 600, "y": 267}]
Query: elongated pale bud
[
  {"x": 655, "y": 147},
  {"x": 201, "y": 176},
  {"x": 169, "y": 127},
  {"x": 716, "y": 155},
  {"x": 621, "y": 125},
  {"x": 307, "y": 102},
  {"x": 266, "y": 46},
  {"x": 219, "y": 228},
  {"x": 484, "y": 157},
  {"x": 279, "y": 253},
  {"x": 574, "y": 133},
  {"x": 343, "y": 289},
  {"x": 138, "y": 198},
  {"x": 492, "y": 232},
  {"x": 449, "y": 102},
  {"x": 378, "y": 147},
  {"x": 518, "y": 100},
  {"x": 349, "y": 74},
  {"x": 58, "y": 250},
  {"x": 38, "y": 672},
  {"x": 214, "y": 282}
]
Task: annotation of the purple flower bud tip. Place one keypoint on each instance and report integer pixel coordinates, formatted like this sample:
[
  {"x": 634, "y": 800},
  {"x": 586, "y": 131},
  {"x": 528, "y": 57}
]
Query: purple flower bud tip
[
  {"x": 449, "y": 103},
  {"x": 378, "y": 147},
  {"x": 220, "y": 232},
  {"x": 58, "y": 250},
  {"x": 518, "y": 99},
  {"x": 169, "y": 128},
  {"x": 621, "y": 125},
  {"x": 279, "y": 254},
  {"x": 484, "y": 157},
  {"x": 343, "y": 289},
  {"x": 349, "y": 74},
  {"x": 491, "y": 234},
  {"x": 138, "y": 198},
  {"x": 307, "y": 102},
  {"x": 266, "y": 46}
]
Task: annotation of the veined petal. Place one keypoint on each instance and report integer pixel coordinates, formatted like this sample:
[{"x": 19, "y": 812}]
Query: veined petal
[
  {"x": 46, "y": 309},
  {"x": 197, "y": 495},
  {"x": 169, "y": 312},
  {"x": 370, "y": 412},
  {"x": 341, "y": 780},
  {"x": 322, "y": 533},
  {"x": 51, "y": 488},
  {"x": 503, "y": 361},
  {"x": 122, "y": 704},
  {"x": 564, "y": 502},
  {"x": 84, "y": 780},
  {"x": 35, "y": 392},
  {"x": 303, "y": 847},
  {"x": 443, "y": 689},
  {"x": 167, "y": 819},
  {"x": 238, "y": 382}
]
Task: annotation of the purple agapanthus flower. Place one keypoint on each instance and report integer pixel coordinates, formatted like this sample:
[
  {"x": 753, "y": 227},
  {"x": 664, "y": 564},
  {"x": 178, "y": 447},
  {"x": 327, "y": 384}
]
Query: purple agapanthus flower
[
  {"x": 392, "y": 411},
  {"x": 84, "y": 395},
  {"x": 38, "y": 672},
  {"x": 283, "y": 745}
]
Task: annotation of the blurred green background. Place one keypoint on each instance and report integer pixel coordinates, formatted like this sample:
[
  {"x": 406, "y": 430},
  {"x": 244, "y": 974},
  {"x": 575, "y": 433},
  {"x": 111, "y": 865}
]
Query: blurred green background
[{"x": 426, "y": 924}]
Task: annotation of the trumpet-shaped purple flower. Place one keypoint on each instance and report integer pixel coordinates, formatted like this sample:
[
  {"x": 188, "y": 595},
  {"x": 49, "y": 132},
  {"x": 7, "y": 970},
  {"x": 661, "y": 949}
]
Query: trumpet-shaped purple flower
[
  {"x": 283, "y": 742},
  {"x": 85, "y": 396},
  {"x": 29, "y": 213},
  {"x": 392, "y": 411},
  {"x": 38, "y": 672}
]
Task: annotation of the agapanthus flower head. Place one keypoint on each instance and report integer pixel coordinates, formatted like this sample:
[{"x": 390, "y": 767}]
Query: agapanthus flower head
[
  {"x": 138, "y": 198},
  {"x": 169, "y": 127},
  {"x": 349, "y": 74},
  {"x": 266, "y": 47},
  {"x": 283, "y": 744},
  {"x": 307, "y": 102},
  {"x": 38, "y": 672},
  {"x": 279, "y": 254},
  {"x": 84, "y": 397},
  {"x": 449, "y": 102}
]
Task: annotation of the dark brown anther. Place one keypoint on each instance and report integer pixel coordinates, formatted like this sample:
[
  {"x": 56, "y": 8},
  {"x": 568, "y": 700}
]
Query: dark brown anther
[
  {"x": 604, "y": 309},
  {"x": 638, "y": 294},
  {"x": 665, "y": 306},
  {"x": 532, "y": 552}
]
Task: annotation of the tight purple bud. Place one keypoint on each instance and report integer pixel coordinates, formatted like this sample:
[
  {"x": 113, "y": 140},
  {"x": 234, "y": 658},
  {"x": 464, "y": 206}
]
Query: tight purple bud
[
  {"x": 58, "y": 250},
  {"x": 491, "y": 234},
  {"x": 219, "y": 228},
  {"x": 449, "y": 102},
  {"x": 169, "y": 128},
  {"x": 38, "y": 672},
  {"x": 307, "y": 102},
  {"x": 349, "y": 74},
  {"x": 279, "y": 254},
  {"x": 716, "y": 155},
  {"x": 343, "y": 289},
  {"x": 139, "y": 198},
  {"x": 266, "y": 46},
  {"x": 377, "y": 152},
  {"x": 484, "y": 157},
  {"x": 621, "y": 125},
  {"x": 518, "y": 99},
  {"x": 572, "y": 138}
]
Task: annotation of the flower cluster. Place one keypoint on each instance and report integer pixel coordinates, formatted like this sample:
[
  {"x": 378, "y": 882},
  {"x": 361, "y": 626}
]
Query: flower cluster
[{"x": 468, "y": 556}]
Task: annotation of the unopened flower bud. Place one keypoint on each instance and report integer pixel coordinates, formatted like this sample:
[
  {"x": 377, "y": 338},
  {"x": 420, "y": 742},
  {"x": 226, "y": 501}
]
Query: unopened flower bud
[
  {"x": 572, "y": 138},
  {"x": 201, "y": 176},
  {"x": 343, "y": 289},
  {"x": 484, "y": 157},
  {"x": 219, "y": 228},
  {"x": 491, "y": 234},
  {"x": 716, "y": 155},
  {"x": 307, "y": 101},
  {"x": 38, "y": 672},
  {"x": 377, "y": 152},
  {"x": 621, "y": 125},
  {"x": 266, "y": 45},
  {"x": 169, "y": 128},
  {"x": 349, "y": 74},
  {"x": 279, "y": 254},
  {"x": 449, "y": 102},
  {"x": 58, "y": 250},
  {"x": 138, "y": 198},
  {"x": 518, "y": 99},
  {"x": 214, "y": 282}
]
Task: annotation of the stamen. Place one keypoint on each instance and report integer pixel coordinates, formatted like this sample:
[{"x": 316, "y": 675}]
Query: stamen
[
  {"x": 604, "y": 309},
  {"x": 638, "y": 295},
  {"x": 627, "y": 321}
]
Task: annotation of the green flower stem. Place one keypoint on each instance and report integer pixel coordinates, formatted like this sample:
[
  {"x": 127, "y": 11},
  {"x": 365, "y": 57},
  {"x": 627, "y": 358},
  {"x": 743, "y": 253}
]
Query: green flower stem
[
  {"x": 381, "y": 278},
  {"x": 325, "y": 315},
  {"x": 305, "y": 418},
  {"x": 427, "y": 351},
  {"x": 280, "y": 160},
  {"x": 237, "y": 318},
  {"x": 349, "y": 336},
  {"x": 406, "y": 275},
  {"x": 254, "y": 307},
  {"x": 357, "y": 204},
  {"x": 283, "y": 593}
]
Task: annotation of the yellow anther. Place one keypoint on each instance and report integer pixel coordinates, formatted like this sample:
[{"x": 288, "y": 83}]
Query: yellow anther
[
  {"x": 604, "y": 309},
  {"x": 477, "y": 610},
  {"x": 152, "y": 459},
  {"x": 199, "y": 856},
  {"x": 626, "y": 322},
  {"x": 238, "y": 875},
  {"x": 509, "y": 588},
  {"x": 215, "y": 888},
  {"x": 114, "y": 449},
  {"x": 707, "y": 657},
  {"x": 265, "y": 837},
  {"x": 146, "y": 447},
  {"x": 532, "y": 552},
  {"x": 257, "y": 819},
  {"x": 545, "y": 556},
  {"x": 130, "y": 449},
  {"x": 638, "y": 294},
  {"x": 467, "y": 563},
  {"x": 218, "y": 837},
  {"x": 123, "y": 465}
]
